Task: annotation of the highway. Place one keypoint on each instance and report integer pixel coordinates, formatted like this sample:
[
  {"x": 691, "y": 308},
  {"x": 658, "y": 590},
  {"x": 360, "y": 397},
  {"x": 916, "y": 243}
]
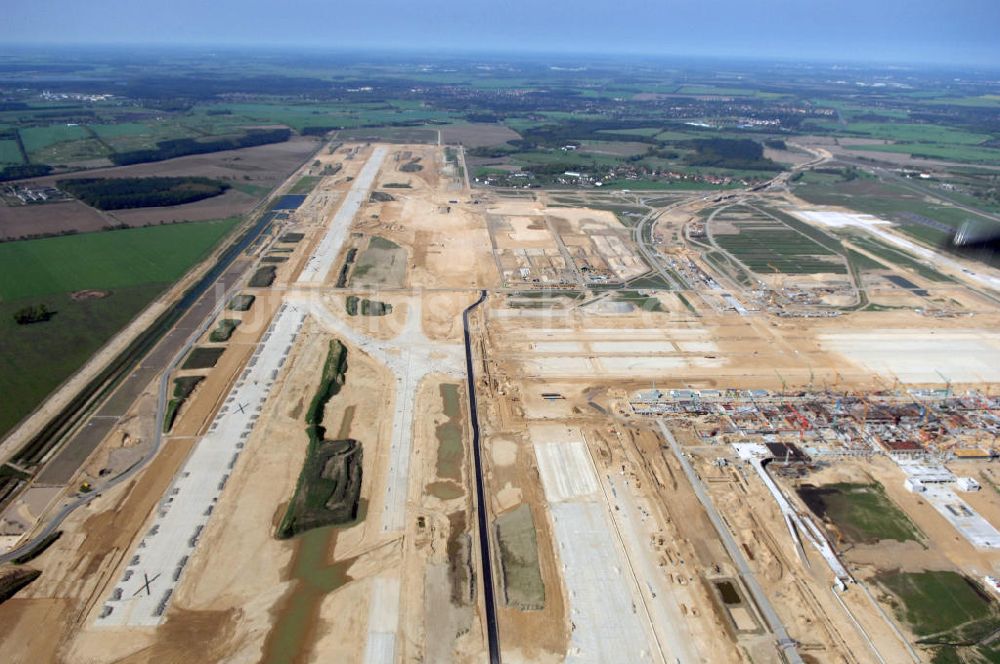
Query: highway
[
  {"x": 785, "y": 642},
  {"x": 486, "y": 562}
]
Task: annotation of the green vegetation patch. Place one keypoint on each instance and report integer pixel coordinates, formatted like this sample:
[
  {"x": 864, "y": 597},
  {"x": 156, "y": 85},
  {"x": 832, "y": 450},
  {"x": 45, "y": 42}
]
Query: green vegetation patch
[
  {"x": 35, "y": 359},
  {"x": 741, "y": 154},
  {"x": 10, "y": 153},
  {"x": 130, "y": 267},
  {"x": 263, "y": 277},
  {"x": 893, "y": 202},
  {"x": 965, "y": 153},
  {"x": 242, "y": 302},
  {"x": 36, "y": 139},
  {"x": 779, "y": 250},
  {"x": 451, "y": 451},
  {"x": 899, "y": 258},
  {"x": 224, "y": 330},
  {"x": 382, "y": 243},
  {"x": 305, "y": 184},
  {"x": 947, "y": 612},
  {"x": 20, "y": 171},
  {"x": 14, "y": 580},
  {"x": 328, "y": 491},
  {"x": 125, "y": 193},
  {"x": 329, "y": 488},
  {"x": 908, "y": 132},
  {"x": 860, "y": 513},
  {"x": 183, "y": 387},
  {"x": 39, "y": 548},
  {"x": 639, "y": 299},
  {"x": 106, "y": 260},
  {"x": 366, "y": 307},
  {"x": 382, "y": 263},
  {"x": 522, "y": 577},
  {"x": 33, "y": 313},
  {"x": 180, "y": 147},
  {"x": 203, "y": 357},
  {"x": 779, "y": 243}
]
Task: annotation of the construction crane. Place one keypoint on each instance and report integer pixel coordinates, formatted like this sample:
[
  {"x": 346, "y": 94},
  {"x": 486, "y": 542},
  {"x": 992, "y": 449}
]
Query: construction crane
[{"x": 784, "y": 385}]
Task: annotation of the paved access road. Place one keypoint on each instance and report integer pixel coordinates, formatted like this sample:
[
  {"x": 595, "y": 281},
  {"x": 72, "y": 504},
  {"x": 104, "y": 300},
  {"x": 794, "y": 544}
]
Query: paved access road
[
  {"x": 785, "y": 642},
  {"x": 489, "y": 595}
]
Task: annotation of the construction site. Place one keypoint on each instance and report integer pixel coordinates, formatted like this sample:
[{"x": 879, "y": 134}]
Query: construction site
[{"x": 437, "y": 423}]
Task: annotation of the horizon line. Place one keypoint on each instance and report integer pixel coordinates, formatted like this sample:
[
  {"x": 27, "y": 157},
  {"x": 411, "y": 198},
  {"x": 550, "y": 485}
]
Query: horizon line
[{"x": 493, "y": 51}]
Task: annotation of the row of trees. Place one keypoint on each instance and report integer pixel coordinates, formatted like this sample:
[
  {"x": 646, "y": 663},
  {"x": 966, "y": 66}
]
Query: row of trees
[
  {"x": 21, "y": 171},
  {"x": 180, "y": 147}
]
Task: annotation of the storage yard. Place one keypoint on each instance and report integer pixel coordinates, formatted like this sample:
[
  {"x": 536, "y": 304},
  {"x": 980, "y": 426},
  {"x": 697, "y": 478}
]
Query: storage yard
[{"x": 720, "y": 433}]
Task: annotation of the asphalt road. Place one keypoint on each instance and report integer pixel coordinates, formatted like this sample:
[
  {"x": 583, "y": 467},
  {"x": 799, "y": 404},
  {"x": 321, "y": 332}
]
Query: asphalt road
[{"x": 489, "y": 596}]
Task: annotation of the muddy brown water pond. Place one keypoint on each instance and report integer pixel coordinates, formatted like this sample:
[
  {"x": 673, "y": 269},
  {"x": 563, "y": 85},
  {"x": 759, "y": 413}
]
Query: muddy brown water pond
[
  {"x": 451, "y": 453},
  {"x": 445, "y": 490},
  {"x": 728, "y": 592},
  {"x": 297, "y": 615}
]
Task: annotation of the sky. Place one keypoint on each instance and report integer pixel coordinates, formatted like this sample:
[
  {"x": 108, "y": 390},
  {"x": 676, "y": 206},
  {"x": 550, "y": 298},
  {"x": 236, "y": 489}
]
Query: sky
[{"x": 901, "y": 31}]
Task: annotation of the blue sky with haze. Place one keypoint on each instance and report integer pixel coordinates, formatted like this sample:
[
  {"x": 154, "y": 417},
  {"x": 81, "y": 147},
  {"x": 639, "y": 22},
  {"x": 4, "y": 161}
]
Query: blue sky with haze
[{"x": 945, "y": 31}]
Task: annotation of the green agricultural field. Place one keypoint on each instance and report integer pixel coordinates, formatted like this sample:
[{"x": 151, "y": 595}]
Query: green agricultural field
[
  {"x": 9, "y": 153},
  {"x": 982, "y": 101},
  {"x": 390, "y": 134},
  {"x": 574, "y": 159},
  {"x": 642, "y": 131},
  {"x": 965, "y": 153},
  {"x": 861, "y": 513},
  {"x": 898, "y": 258},
  {"x": 812, "y": 177},
  {"x": 713, "y": 90},
  {"x": 947, "y": 613},
  {"x": 140, "y": 135},
  {"x": 333, "y": 115},
  {"x": 106, "y": 260},
  {"x": 37, "y": 139},
  {"x": 907, "y": 132},
  {"x": 666, "y": 185},
  {"x": 35, "y": 359},
  {"x": 613, "y": 148},
  {"x": 768, "y": 246},
  {"x": 131, "y": 267},
  {"x": 887, "y": 201}
]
